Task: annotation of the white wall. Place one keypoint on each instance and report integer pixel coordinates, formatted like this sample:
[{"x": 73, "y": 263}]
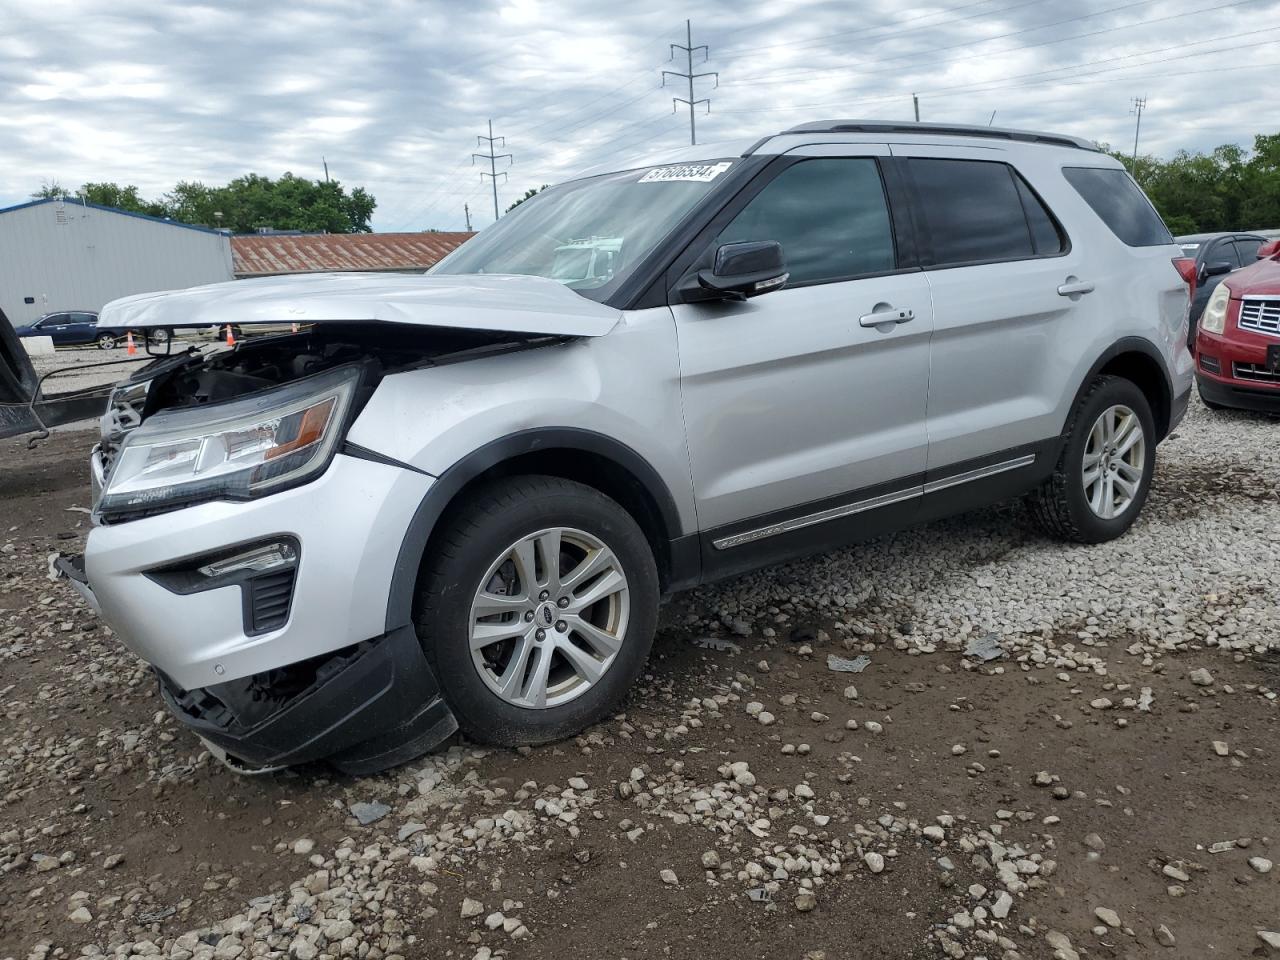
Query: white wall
[{"x": 67, "y": 256}]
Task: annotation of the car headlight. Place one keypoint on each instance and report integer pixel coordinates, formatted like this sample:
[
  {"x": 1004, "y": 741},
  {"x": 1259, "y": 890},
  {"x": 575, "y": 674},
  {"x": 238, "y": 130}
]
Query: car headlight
[
  {"x": 235, "y": 450},
  {"x": 1215, "y": 311}
]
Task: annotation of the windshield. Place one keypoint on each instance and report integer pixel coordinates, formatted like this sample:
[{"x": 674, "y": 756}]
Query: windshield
[{"x": 588, "y": 234}]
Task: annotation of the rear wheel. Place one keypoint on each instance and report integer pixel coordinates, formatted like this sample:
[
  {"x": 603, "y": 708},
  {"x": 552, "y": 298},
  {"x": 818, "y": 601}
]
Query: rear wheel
[
  {"x": 537, "y": 609},
  {"x": 106, "y": 341},
  {"x": 159, "y": 336},
  {"x": 1104, "y": 471}
]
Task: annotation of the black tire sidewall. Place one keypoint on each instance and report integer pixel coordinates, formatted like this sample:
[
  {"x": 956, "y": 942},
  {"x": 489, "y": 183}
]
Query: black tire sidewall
[
  {"x": 1115, "y": 391},
  {"x": 445, "y": 606}
]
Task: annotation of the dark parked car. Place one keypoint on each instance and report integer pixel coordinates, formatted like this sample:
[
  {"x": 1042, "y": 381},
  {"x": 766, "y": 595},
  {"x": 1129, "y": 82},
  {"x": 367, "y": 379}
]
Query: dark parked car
[
  {"x": 75, "y": 327},
  {"x": 1216, "y": 255}
]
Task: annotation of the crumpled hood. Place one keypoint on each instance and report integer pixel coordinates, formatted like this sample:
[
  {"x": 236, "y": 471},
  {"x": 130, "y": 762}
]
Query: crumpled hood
[{"x": 516, "y": 304}]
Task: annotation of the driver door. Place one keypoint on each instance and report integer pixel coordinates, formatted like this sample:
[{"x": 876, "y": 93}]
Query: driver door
[{"x": 799, "y": 406}]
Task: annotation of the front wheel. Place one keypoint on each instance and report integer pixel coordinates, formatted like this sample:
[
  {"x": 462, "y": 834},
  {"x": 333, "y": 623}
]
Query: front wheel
[
  {"x": 1104, "y": 471},
  {"x": 537, "y": 609}
]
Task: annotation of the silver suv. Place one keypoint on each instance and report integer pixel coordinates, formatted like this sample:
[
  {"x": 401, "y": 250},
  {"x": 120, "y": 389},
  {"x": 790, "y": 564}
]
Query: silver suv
[{"x": 456, "y": 500}]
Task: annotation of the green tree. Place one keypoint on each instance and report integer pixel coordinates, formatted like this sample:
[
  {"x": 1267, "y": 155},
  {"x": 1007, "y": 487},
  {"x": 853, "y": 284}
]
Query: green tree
[
  {"x": 531, "y": 192},
  {"x": 121, "y": 198},
  {"x": 48, "y": 190},
  {"x": 1228, "y": 188},
  {"x": 288, "y": 203}
]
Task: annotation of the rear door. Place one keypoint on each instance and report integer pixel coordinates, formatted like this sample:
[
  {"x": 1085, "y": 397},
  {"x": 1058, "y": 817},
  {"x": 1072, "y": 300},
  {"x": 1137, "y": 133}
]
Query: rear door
[
  {"x": 1007, "y": 288},
  {"x": 83, "y": 328},
  {"x": 801, "y": 399}
]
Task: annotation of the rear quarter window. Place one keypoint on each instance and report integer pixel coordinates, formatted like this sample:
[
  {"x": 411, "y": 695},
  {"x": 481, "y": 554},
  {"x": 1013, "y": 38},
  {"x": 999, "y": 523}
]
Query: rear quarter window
[{"x": 1121, "y": 205}]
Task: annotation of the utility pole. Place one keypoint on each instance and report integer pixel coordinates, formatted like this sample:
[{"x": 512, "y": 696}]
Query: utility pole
[
  {"x": 915, "y": 102},
  {"x": 493, "y": 159},
  {"x": 689, "y": 50},
  {"x": 466, "y": 209},
  {"x": 326, "y": 169},
  {"x": 1139, "y": 104}
]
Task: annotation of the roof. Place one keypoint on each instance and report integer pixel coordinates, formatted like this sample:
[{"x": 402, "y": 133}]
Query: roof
[
  {"x": 75, "y": 201},
  {"x": 270, "y": 254},
  {"x": 943, "y": 130}
]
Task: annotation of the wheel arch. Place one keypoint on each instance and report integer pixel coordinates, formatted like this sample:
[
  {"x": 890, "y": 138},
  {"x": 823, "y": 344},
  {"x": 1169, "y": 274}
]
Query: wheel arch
[
  {"x": 1139, "y": 361},
  {"x": 591, "y": 458}
]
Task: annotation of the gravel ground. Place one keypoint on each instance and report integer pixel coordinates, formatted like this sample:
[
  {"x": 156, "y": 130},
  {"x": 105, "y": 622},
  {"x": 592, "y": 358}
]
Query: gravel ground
[{"x": 1107, "y": 788}]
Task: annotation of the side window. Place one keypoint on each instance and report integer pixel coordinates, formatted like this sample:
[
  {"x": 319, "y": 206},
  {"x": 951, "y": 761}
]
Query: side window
[
  {"x": 1046, "y": 235},
  {"x": 973, "y": 211},
  {"x": 1248, "y": 251},
  {"x": 1221, "y": 251},
  {"x": 830, "y": 216},
  {"x": 83, "y": 318},
  {"x": 57, "y": 320},
  {"x": 1121, "y": 205}
]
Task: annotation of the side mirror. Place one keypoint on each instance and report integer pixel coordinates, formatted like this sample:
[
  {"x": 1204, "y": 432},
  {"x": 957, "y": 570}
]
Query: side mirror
[
  {"x": 1269, "y": 249},
  {"x": 1216, "y": 268},
  {"x": 742, "y": 270}
]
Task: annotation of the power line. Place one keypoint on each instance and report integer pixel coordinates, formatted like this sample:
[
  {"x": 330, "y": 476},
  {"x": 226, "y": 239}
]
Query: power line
[
  {"x": 690, "y": 76},
  {"x": 874, "y": 33},
  {"x": 493, "y": 159},
  {"x": 1004, "y": 83},
  {"x": 792, "y": 74}
]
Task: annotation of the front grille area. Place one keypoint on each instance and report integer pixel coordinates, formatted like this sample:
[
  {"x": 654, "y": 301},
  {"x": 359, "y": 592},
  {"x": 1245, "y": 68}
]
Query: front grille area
[
  {"x": 1260, "y": 316},
  {"x": 269, "y": 600},
  {"x": 1255, "y": 371}
]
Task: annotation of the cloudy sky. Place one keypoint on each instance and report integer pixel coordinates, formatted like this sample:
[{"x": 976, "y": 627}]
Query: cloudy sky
[{"x": 393, "y": 93}]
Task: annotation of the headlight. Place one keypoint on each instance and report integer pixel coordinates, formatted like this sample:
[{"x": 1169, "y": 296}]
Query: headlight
[
  {"x": 1215, "y": 311},
  {"x": 236, "y": 450}
]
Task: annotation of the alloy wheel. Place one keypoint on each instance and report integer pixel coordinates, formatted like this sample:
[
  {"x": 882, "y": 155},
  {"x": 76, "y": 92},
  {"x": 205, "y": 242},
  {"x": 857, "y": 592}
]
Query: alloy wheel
[
  {"x": 1115, "y": 457},
  {"x": 549, "y": 617}
]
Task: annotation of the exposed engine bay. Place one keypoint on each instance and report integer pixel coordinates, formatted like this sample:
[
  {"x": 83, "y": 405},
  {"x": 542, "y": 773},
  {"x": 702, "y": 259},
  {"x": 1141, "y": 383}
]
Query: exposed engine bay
[{"x": 197, "y": 377}]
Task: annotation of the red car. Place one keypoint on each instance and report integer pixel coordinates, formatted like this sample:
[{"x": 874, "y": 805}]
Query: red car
[{"x": 1238, "y": 341}]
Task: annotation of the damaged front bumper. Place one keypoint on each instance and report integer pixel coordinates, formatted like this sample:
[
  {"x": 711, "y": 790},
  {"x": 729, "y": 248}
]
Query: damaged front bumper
[
  {"x": 364, "y": 708},
  {"x": 282, "y": 664}
]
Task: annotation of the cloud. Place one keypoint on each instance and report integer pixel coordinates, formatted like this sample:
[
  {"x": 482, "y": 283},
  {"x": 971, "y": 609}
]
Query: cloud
[{"x": 393, "y": 94}]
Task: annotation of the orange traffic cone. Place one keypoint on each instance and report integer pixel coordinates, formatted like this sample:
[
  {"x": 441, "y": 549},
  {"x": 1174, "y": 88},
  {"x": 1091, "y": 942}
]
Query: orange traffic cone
[
  {"x": 231, "y": 337},
  {"x": 131, "y": 349}
]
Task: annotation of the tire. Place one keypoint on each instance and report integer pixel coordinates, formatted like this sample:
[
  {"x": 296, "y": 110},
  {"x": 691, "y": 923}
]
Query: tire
[
  {"x": 477, "y": 548},
  {"x": 159, "y": 336},
  {"x": 1062, "y": 506},
  {"x": 106, "y": 341}
]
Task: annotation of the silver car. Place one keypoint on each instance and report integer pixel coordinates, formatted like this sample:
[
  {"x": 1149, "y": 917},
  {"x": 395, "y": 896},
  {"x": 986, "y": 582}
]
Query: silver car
[{"x": 457, "y": 500}]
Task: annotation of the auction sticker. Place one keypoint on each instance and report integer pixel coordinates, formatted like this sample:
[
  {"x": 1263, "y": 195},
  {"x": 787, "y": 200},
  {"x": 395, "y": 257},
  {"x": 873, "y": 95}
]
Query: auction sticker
[{"x": 696, "y": 172}]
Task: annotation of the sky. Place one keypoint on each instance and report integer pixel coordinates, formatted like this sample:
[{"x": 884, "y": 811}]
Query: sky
[{"x": 393, "y": 94}]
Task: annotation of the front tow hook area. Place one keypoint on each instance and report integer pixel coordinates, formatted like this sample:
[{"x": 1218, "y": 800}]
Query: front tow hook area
[{"x": 71, "y": 567}]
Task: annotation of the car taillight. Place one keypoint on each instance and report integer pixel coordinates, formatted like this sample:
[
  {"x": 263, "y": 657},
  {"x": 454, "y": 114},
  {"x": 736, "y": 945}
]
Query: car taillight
[{"x": 1186, "y": 267}]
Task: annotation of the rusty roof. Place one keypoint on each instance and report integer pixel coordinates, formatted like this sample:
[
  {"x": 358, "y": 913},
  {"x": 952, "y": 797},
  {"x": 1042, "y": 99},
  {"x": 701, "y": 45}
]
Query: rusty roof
[{"x": 269, "y": 254}]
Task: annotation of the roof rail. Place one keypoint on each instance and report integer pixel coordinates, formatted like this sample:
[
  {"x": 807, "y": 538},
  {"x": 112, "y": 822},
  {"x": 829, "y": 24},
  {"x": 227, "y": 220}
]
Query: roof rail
[{"x": 941, "y": 129}]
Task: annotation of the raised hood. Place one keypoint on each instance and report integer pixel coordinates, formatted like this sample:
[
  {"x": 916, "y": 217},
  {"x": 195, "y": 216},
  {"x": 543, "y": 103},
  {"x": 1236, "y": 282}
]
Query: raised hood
[{"x": 516, "y": 304}]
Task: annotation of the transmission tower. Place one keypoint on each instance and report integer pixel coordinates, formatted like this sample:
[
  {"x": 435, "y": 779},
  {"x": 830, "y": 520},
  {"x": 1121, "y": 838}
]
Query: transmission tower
[
  {"x": 689, "y": 50},
  {"x": 493, "y": 159},
  {"x": 1139, "y": 104}
]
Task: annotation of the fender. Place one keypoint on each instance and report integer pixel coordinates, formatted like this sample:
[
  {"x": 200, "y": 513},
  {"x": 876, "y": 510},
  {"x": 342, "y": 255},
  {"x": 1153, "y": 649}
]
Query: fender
[
  {"x": 684, "y": 561},
  {"x": 1122, "y": 346}
]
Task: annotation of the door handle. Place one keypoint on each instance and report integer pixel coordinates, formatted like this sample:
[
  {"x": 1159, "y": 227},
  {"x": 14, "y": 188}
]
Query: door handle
[
  {"x": 1075, "y": 288},
  {"x": 883, "y": 313}
]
